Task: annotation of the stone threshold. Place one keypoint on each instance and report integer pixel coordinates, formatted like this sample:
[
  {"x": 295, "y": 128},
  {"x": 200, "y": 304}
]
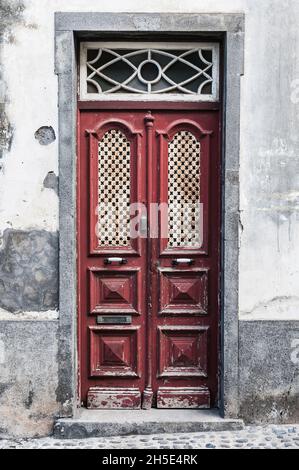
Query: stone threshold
[{"x": 105, "y": 423}]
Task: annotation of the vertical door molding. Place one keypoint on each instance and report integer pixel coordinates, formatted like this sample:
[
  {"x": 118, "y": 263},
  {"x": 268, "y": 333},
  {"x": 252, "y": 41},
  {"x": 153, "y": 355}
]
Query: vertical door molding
[{"x": 148, "y": 392}]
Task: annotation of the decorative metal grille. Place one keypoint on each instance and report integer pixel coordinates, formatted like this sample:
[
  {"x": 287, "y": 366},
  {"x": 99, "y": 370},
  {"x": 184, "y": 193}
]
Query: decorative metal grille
[
  {"x": 183, "y": 190},
  {"x": 178, "y": 69},
  {"x": 114, "y": 189}
]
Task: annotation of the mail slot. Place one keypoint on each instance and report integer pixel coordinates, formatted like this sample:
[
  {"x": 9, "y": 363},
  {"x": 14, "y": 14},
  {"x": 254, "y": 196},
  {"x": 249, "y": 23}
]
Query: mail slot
[{"x": 112, "y": 319}]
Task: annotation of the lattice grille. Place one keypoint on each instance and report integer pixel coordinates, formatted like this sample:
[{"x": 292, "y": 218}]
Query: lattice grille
[
  {"x": 183, "y": 190},
  {"x": 114, "y": 189}
]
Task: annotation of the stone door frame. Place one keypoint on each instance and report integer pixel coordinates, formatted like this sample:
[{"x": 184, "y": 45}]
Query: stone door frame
[{"x": 69, "y": 29}]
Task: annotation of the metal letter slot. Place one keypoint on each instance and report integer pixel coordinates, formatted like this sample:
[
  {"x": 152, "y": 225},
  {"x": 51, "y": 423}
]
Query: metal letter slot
[
  {"x": 115, "y": 260},
  {"x": 111, "y": 319},
  {"x": 177, "y": 261}
]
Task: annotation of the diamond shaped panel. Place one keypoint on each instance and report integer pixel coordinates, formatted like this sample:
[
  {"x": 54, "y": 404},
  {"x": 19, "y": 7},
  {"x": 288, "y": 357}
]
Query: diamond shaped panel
[
  {"x": 113, "y": 351},
  {"x": 183, "y": 351},
  {"x": 113, "y": 291},
  {"x": 184, "y": 292}
]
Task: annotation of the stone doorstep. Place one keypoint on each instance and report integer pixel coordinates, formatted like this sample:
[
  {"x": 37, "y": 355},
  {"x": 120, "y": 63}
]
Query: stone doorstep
[{"x": 105, "y": 423}]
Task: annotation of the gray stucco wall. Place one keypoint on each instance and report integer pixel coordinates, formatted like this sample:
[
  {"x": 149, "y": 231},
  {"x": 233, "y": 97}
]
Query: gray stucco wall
[
  {"x": 28, "y": 377},
  {"x": 30, "y": 364},
  {"x": 28, "y": 250},
  {"x": 269, "y": 371},
  {"x": 28, "y": 271}
]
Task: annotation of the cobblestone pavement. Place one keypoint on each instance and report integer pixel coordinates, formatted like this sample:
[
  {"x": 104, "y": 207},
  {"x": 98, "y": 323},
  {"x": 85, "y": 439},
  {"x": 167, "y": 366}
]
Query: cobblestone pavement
[{"x": 253, "y": 437}]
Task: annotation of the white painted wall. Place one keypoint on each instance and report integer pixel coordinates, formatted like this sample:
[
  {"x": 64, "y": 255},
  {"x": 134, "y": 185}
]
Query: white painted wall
[{"x": 269, "y": 252}]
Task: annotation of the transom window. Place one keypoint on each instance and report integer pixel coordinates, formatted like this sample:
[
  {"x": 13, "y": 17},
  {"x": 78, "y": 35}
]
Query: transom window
[{"x": 187, "y": 71}]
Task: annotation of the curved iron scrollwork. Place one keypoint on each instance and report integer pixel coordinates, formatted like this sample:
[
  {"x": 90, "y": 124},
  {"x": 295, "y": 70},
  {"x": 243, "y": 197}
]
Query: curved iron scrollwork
[{"x": 150, "y": 71}]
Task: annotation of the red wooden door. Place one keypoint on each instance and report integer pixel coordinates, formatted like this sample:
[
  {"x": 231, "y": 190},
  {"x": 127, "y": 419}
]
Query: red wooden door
[{"x": 148, "y": 240}]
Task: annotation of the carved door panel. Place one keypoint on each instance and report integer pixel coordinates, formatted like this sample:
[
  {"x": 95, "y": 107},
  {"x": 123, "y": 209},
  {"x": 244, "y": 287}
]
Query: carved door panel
[
  {"x": 112, "y": 263},
  {"x": 185, "y": 260},
  {"x": 148, "y": 264}
]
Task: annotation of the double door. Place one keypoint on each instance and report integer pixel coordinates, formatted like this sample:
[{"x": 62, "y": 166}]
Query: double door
[{"x": 149, "y": 256}]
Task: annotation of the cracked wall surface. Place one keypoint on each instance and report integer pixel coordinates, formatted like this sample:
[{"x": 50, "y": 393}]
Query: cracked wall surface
[
  {"x": 28, "y": 271},
  {"x": 10, "y": 15},
  {"x": 269, "y": 224},
  {"x": 29, "y": 180},
  {"x": 28, "y": 378}
]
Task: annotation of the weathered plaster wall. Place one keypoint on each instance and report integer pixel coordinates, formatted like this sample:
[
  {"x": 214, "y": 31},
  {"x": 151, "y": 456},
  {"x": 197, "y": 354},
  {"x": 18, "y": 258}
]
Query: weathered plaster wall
[
  {"x": 10, "y": 14},
  {"x": 269, "y": 273},
  {"x": 28, "y": 377},
  {"x": 269, "y": 371},
  {"x": 269, "y": 248},
  {"x": 28, "y": 271},
  {"x": 28, "y": 230},
  {"x": 269, "y": 142}
]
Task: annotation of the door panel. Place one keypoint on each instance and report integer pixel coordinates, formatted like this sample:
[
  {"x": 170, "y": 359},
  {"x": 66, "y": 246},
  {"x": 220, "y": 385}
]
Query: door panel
[
  {"x": 183, "y": 292},
  {"x": 183, "y": 152},
  {"x": 148, "y": 299},
  {"x": 116, "y": 181},
  {"x": 112, "y": 262},
  {"x": 112, "y": 291},
  {"x": 185, "y": 260},
  {"x": 113, "y": 351},
  {"x": 183, "y": 351}
]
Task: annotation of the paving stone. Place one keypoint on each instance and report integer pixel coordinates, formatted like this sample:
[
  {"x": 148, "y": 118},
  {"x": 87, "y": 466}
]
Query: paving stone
[{"x": 252, "y": 437}]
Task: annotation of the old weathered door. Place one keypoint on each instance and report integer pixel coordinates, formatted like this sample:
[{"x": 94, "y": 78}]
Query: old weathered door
[{"x": 148, "y": 239}]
